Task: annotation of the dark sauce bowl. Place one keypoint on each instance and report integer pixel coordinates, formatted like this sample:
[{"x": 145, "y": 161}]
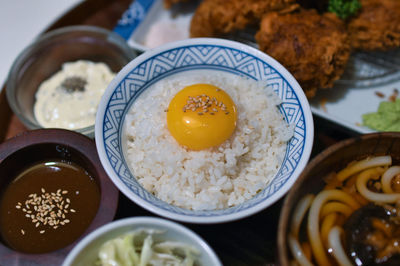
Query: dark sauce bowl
[
  {"x": 36, "y": 146},
  {"x": 332, "y": 159}
]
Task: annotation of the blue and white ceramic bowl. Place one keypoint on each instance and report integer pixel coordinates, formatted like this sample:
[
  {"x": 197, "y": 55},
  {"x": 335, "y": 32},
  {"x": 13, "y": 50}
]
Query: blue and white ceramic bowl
[{"x": 194, "y": 55}]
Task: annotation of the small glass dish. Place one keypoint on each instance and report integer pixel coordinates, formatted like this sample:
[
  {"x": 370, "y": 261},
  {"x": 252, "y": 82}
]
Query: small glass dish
[{"x": 46, "y": 55}]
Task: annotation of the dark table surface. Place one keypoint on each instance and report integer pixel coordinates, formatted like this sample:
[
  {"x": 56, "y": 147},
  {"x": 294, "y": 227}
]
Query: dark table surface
[{"x": 249, "y": 241}]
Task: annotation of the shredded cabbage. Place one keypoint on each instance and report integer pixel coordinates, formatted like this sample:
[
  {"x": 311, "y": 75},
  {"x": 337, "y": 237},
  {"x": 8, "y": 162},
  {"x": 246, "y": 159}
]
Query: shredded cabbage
[{"x": 140, "y": 248}]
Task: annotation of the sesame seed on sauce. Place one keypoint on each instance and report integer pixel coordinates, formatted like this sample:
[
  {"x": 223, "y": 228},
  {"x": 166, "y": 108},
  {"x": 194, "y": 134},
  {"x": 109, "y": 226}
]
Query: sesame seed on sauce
[{"x": 48, "y": 209}]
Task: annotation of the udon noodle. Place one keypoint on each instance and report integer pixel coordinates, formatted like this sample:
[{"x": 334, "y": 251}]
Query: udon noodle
[{"x": 347, "y": 193}]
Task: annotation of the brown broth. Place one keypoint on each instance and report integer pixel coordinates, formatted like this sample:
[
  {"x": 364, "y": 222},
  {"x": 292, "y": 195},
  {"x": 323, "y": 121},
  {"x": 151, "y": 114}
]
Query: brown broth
[{"x": 26, "y": 233}]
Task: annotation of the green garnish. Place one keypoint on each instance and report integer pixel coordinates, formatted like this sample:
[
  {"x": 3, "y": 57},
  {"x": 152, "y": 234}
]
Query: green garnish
[
  {"x": 387, "y": 118},
  {"x": 344, "y": 8}
]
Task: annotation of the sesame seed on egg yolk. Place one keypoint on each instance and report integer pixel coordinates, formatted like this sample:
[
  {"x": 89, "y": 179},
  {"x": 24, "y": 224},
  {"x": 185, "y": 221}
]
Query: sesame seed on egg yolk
[{"x": 201, "y": 116}]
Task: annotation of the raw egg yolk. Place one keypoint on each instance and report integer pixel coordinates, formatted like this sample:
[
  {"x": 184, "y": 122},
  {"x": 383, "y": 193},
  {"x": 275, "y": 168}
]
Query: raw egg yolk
[{"x": 201, "y": 116}]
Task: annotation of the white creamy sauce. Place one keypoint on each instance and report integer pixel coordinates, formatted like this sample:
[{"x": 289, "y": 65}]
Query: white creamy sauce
[{"x": 55, "y": 106}]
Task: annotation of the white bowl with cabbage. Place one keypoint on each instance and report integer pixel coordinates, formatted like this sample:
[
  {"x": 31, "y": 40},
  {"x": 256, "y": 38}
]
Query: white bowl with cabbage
[{"x": 142, "y": 241}]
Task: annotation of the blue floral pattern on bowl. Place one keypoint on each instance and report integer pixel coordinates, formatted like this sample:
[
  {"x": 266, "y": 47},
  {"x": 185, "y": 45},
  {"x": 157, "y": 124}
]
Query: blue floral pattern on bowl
[
  {"x": 132, "y": 17},
  {"x": 192, "y": 55}
]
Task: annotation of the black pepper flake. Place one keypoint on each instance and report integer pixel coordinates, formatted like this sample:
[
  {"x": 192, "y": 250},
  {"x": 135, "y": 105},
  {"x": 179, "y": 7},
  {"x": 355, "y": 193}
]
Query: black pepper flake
[{"x": 73, "y": 84}]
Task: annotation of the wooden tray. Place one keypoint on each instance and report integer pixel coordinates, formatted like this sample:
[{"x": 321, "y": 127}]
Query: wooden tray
[{"x": 250, "y": 241}]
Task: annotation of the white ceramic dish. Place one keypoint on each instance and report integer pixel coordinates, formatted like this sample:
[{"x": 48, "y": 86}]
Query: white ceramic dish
[
  {"x": 353, "y": 95},
  {"x": 86, "y": 251},
  {"x": 345, "y": 105},
  {"x": 368, "y": 74}
]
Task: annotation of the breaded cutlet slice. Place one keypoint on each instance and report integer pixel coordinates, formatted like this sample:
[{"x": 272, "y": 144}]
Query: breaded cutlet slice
[
  {"x": 213, "y": 18},
  {"x": 376, "y": 26},
  {"x": 314, "y": 48}
]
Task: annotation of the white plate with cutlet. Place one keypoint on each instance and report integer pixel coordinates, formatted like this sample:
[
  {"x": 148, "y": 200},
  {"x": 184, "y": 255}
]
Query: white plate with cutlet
[{"x": 369, "y": 79}]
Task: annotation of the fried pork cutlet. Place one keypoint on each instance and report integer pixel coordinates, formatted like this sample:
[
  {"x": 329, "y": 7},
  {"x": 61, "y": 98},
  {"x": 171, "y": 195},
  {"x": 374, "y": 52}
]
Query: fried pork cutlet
[
  {"x": 314, "y": 48},
  {"x": 218, "y": 17},
  {"x": 376, "y": 26}
]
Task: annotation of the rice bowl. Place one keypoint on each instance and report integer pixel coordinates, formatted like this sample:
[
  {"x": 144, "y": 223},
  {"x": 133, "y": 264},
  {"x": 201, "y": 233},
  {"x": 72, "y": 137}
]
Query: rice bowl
[
  {"x": 191, "y": 57},
  {"x": 214, "y": 178}
]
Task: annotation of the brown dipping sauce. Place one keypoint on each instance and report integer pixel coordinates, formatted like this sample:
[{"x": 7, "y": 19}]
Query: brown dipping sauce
[{"x": 26, "y": 222}]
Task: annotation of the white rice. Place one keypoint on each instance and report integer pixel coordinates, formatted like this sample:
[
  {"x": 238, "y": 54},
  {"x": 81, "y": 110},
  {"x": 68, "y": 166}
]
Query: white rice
[{"x": 218, "y": 177}]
